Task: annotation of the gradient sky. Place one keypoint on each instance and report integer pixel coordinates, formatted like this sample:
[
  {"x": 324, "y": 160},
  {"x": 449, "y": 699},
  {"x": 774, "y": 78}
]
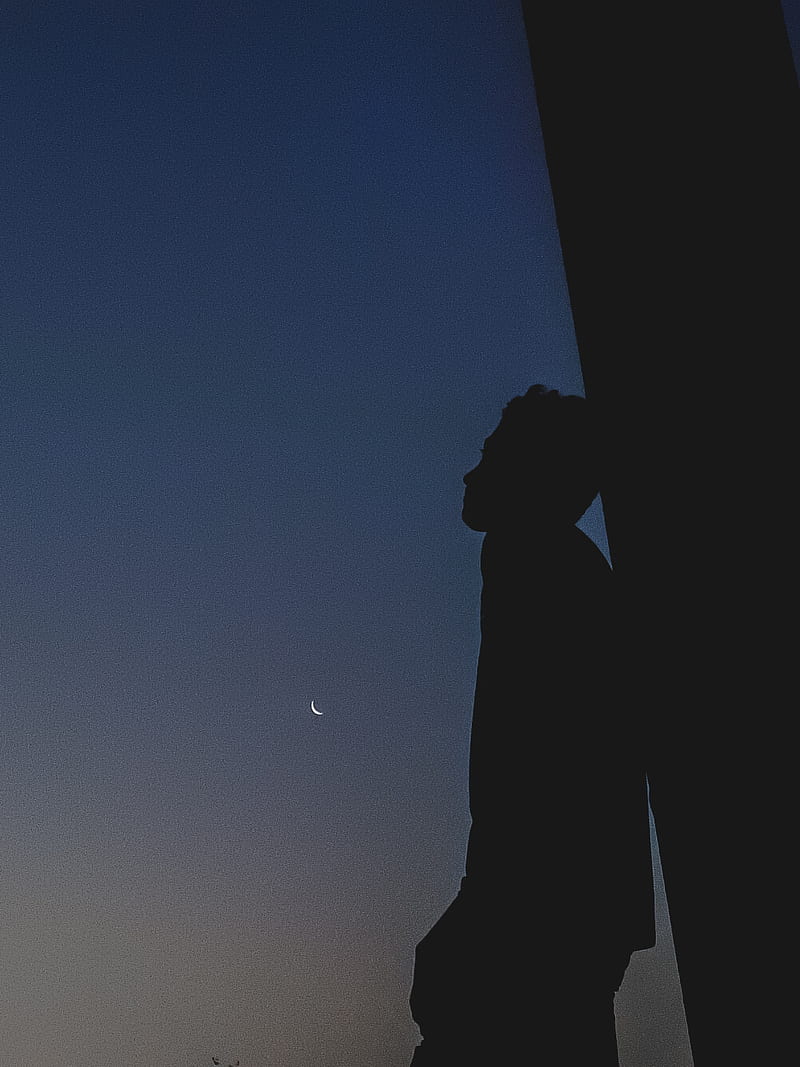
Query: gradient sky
[{"x": 270, "y": 272}]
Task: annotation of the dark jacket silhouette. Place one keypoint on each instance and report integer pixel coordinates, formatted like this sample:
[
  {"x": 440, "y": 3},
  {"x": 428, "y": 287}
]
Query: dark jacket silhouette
[{"x": 558, "y": 884}]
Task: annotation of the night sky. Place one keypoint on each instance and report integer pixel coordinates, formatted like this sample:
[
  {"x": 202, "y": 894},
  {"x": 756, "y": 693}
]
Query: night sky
[{"x": 270, "y": 273}]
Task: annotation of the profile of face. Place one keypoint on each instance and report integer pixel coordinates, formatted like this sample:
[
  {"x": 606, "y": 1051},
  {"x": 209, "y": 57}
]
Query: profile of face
[
  {"x": 515, "y": 487},
  {"x": 493, "y": 493}
]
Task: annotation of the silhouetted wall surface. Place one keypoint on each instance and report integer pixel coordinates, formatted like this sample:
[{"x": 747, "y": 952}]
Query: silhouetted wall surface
[{"x": 671, "y": 140}]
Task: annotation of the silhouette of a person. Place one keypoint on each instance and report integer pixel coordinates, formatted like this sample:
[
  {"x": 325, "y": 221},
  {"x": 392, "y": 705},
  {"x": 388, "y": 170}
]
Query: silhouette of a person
[{"x": 524, "y": 964}]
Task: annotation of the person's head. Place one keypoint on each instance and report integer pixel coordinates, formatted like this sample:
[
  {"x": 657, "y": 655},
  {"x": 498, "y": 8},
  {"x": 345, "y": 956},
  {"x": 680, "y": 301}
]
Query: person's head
[{"x": 540, "y": 465}]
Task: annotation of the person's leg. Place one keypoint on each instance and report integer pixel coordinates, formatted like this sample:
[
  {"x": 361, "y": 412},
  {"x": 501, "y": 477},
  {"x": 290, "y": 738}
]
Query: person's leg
[
  {"x": 588, "y": 1032},
  {"x": 556, "y": 1009},
  {"x": 581, "y": 1007},
  {"x": 452, "y": 965},
  {"x": 439, "y": 966},
  {"x": 487, "y": 988},
  {"x": 565, "y": 1028},
  {"x": 446, "y": 1053}
]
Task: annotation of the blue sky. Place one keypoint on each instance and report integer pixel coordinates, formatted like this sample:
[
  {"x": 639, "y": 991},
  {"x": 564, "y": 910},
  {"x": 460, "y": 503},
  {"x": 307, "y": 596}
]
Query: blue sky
[{"x": 270, "y": 274}]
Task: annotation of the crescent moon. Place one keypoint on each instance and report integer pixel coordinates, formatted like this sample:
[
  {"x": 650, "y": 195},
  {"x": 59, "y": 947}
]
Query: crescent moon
[{"x": 314, "y": 709}]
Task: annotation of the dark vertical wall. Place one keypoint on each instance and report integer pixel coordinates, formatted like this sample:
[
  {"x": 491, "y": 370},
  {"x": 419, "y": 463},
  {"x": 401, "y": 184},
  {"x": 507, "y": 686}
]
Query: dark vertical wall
[{"x": 671, "y": 140}]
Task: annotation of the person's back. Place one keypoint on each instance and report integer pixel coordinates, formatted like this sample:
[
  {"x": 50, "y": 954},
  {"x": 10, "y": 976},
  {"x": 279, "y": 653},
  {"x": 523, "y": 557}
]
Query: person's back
[
  {"x": 558, "y": 888},
  {"x": 547, "y": 613}
]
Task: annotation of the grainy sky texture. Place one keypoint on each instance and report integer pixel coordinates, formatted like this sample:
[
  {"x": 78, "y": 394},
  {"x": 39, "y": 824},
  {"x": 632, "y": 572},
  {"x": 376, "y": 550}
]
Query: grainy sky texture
[{"x": 270, "y": 272}]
